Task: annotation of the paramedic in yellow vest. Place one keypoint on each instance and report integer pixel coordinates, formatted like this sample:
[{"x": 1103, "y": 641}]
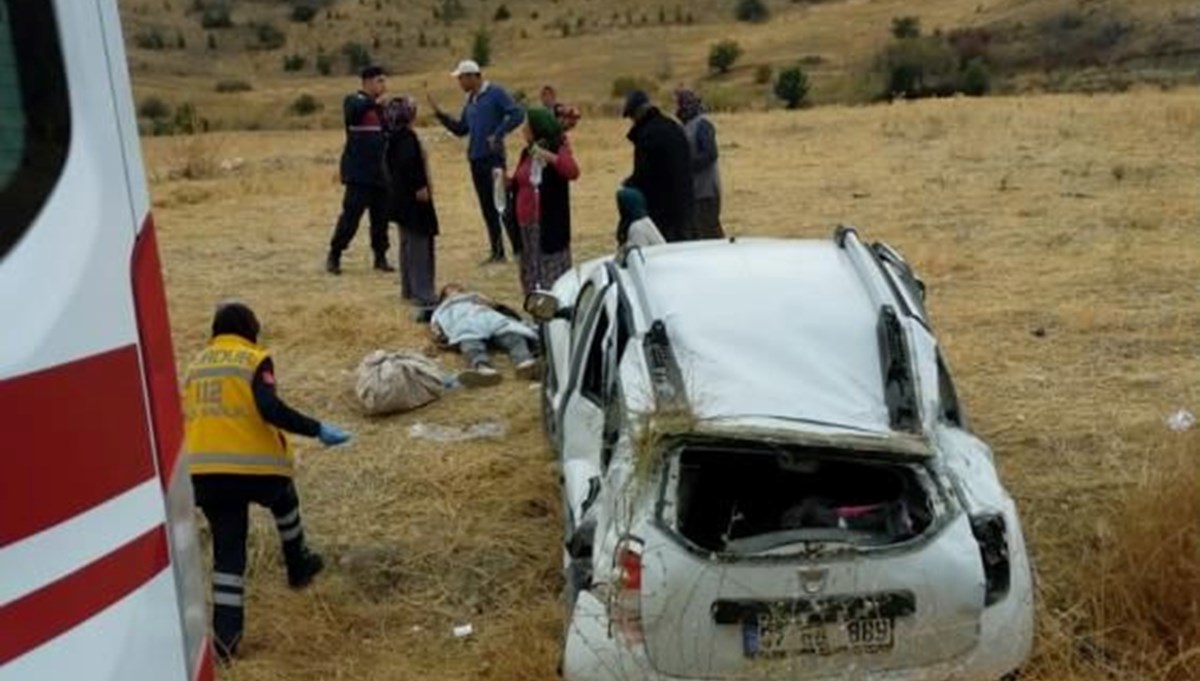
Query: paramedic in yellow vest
[{"x": 238, "y": 455}]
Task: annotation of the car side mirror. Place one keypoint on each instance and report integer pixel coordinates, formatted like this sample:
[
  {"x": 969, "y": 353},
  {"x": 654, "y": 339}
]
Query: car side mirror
[{"x": 544, "y": 307}]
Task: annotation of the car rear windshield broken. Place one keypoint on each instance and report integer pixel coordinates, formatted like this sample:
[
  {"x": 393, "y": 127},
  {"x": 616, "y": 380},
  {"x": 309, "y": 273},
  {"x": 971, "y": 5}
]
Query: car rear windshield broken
[{"x": 757, "y": 500}]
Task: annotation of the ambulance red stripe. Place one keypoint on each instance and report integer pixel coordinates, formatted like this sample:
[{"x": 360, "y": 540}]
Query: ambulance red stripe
[
  {"x": 38, "y": 617},
  {"x": 74, "y": 436}
]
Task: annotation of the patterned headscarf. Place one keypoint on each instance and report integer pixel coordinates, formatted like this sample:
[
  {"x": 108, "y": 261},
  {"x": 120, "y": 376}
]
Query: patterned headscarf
[
  {"x": 399, "y": 112},
  {"x": 687, "y": 104}
]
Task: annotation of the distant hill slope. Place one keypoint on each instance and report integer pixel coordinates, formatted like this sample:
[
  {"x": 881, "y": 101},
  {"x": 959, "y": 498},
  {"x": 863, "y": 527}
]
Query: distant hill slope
[{"x": 263, "y": 57}]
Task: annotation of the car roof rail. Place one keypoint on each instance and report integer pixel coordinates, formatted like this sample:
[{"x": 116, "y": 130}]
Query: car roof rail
[
  {"x": 865, "y": 264},
  {"x": 899, "y": 388},
  {"x": 883, "y": 287},
  {"x": 666, "y": 378},
  {"x": 636, "y": 270}
]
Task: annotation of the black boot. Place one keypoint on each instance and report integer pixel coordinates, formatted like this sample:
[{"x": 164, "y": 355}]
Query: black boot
[
  {"x": 302, "y": 567},
  {"x": 381, "y": 263},
  {"x": 227, "y": 631},
  {"x": 333, "y": 263}
]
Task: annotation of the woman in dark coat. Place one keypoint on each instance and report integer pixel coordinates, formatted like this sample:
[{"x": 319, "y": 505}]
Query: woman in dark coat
[
  {"x": 543, "y": 200},
  {"x": 411, "y": 203}
]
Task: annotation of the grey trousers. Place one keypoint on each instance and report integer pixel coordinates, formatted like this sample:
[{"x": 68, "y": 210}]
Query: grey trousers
[
  {"x": 476, "y": 351},
  {"x": 707, "y": 222},
  {"x": 418, "y": 268}
]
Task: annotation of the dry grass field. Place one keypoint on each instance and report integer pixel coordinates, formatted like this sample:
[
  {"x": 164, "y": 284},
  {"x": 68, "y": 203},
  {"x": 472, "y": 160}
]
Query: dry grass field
[{"x": 1059, "y": 239}]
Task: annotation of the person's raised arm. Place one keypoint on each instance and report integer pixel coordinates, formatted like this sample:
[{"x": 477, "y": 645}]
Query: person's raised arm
[{"x": 457, "y": 126}]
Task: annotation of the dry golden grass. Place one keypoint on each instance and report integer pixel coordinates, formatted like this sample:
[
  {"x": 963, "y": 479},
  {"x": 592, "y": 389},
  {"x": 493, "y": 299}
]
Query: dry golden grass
[{"x": 1058, "y": 236}]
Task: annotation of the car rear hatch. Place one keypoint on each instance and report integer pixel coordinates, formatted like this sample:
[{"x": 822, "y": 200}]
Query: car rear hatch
[{"x": 804, "y": 562}]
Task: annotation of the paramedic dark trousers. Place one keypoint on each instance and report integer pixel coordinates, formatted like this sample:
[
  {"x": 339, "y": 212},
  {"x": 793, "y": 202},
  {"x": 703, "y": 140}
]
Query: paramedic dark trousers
[
  {"x": 481, "y": 176},
  {"x": 225, "y": 501},
  {"x": 359, "y": 199}
]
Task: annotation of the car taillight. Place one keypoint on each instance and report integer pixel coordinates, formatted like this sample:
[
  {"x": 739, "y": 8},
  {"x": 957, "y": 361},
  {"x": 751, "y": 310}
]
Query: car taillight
[
  {"x": 626, "y": 611},
  {"x": 991, "y": 533},
  {"x": 162, "y": 389}
]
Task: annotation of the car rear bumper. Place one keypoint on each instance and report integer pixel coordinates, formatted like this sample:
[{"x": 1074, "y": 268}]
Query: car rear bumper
[{"x": 591, "y": 654}]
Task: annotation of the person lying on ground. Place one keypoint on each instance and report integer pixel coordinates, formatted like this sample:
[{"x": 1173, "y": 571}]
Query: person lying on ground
[{"x": 472, "y": 322}]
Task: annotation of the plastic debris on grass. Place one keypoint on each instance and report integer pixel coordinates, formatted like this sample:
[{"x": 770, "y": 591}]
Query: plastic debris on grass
[{"x": 476, "y": 431}]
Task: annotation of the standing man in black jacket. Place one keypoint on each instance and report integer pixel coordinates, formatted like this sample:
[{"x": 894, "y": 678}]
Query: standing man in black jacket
[
  {"x": 662, "y": 168},
  {"x": 362, "y": 172}
]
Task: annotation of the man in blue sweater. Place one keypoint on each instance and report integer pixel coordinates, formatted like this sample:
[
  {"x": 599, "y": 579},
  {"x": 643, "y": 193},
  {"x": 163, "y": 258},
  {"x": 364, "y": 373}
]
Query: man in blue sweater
[{"x": 488, "y": 115}]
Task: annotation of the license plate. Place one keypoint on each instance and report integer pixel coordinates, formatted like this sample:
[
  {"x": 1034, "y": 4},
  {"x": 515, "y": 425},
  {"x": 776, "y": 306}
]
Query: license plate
[{"x": 782, "y": 637}]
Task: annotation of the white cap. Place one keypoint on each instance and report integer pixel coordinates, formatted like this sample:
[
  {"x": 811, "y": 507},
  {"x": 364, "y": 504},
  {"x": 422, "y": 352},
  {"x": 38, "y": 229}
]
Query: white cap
[{"x": 465, "y": 67}]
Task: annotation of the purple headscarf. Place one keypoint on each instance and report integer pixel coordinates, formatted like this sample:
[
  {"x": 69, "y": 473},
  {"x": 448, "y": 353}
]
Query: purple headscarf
[
  {"x": 687, "y": 104},
  {"x": 399, "y": 112}
]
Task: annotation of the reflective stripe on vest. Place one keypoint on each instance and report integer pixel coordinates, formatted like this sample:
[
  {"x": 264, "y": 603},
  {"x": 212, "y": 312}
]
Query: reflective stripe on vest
[{"x": 223, "y": 430}]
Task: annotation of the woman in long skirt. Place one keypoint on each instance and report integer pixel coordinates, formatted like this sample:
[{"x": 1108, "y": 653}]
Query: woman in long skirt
[
  {"x": 411, "y": 204},
  {"x": 543, "y": 200}
]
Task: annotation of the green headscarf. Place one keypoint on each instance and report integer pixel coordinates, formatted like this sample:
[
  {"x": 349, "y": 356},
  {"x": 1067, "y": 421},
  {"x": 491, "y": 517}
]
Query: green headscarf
[{"x": 547, "y": 131}]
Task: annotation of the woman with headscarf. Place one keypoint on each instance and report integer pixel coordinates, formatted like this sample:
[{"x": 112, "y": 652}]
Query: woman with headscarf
[
  {"x": 568, "y": 116},
  {"x": 635, "y": 228},
  {"x": 706, "y": 179},
  {"x": 411, "y": 203},
  {"x": 543, "y": 200}
]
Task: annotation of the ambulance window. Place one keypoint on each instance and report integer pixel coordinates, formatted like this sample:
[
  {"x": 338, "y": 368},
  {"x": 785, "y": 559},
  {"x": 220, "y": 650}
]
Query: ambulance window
[{"x": 34, "y": 114}]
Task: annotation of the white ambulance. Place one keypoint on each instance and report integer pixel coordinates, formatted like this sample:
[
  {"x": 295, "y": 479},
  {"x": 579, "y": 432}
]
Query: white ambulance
[{"x": 100, "y": 575}]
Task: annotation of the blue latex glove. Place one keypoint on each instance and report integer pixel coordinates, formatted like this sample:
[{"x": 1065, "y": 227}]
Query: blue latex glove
[{"x": 332, "y": 436}]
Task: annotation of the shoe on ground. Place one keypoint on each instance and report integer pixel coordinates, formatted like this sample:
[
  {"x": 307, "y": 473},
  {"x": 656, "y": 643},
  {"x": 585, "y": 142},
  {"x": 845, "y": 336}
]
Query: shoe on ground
[
  {"x": 382, "y": 265},
  {"x": 482, "y": 376},
  {"x": 493, "y": 260},
  {"x": 527, "y": 370},
  {"x": 333, "y": 264},
  {"x": 302, "y": 573}
]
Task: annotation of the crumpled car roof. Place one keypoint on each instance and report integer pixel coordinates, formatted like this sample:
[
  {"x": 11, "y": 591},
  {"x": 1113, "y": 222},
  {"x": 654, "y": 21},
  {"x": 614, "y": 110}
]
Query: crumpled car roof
[{"x": 764, "y": 327}]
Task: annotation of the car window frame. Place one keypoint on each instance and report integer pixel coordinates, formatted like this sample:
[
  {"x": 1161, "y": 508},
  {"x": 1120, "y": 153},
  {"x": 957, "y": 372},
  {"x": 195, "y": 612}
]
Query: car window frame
[{"x": 40, "y": 71}]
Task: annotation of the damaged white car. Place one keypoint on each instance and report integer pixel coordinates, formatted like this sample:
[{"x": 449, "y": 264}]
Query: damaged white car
[{"x": 767, "y": 473}]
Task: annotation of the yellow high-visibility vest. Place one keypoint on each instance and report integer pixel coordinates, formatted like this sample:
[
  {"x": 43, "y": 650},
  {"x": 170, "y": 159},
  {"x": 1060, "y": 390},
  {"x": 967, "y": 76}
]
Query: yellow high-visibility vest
[{"x": 223, "y": 430}]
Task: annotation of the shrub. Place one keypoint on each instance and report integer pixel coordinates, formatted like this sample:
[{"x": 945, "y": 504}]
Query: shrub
[
  {"x": 754, "y": 11},
  {"x": 976, "y": 81},
  {"x": 905, "y": 28},
  {"x": 154, "y": 108},
  {"x": 357, "y": 55},
  {"x": 623, "y": 85},
  {"x": 324, "y": 64},
  {"x": 481, "y": 47},
  {"x": 187, "y": 120},
  {"x": 150, "y": 39},
  {"x": 294, "y": 62},
  {"x": 305, "y": 105},
  {"x": 919, "y": 67},
  {"x": 227, "y": 86},
  {"x": 502, "y": 13},
  {"x": 970, "y": 44},
  {"x": 216, "y": 16},
  {"x": 267, "y": 36},
  {"x": 303, "y": 14},
  {"x": 723, "y": 55},
  {"x": 451, "y": 11},
  {"x": 792, "y": 86},
  {"x": 762, "y": 74}
]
